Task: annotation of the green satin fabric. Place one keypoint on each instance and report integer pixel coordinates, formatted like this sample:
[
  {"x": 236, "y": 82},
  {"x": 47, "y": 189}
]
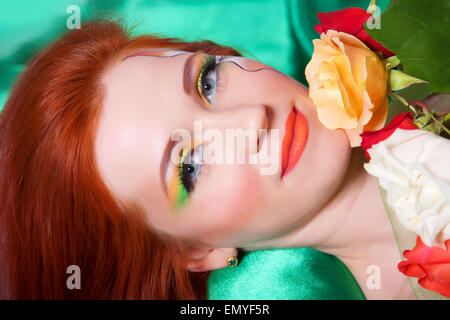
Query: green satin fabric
[
  {"x": 285, "y": 274},
  {"x": 276, "y": 32}
]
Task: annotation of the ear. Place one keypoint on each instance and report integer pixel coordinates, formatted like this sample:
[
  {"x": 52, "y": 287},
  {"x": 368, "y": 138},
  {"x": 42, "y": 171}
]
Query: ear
[{"x": 207, "y": 259}]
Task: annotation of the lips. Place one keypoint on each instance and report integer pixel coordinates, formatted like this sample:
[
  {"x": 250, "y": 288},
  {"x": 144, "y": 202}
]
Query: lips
[{"x": 294, "y": 140}]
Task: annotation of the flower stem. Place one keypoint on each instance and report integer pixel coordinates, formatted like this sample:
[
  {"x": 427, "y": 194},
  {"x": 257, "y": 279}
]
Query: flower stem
[
  {"x": 423, "y": 106},
  {"x": 401, "y": 99}
]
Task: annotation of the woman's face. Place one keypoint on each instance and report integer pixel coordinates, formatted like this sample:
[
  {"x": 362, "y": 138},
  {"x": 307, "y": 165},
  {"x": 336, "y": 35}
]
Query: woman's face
[{"x": 209, "y": 198}]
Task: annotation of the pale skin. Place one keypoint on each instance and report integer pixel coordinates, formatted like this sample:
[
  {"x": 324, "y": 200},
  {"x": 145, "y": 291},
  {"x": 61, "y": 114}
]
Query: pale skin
[{"x": 233, "y": 205}]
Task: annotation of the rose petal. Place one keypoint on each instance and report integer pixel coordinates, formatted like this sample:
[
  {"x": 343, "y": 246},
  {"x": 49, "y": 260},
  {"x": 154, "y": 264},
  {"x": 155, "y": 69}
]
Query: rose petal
[
  {"x": 430, "y": 264},
  {"x": 349, "y": 20},
  {"x": 373, "y": 44},
  {"x": 402, "y": 121}
]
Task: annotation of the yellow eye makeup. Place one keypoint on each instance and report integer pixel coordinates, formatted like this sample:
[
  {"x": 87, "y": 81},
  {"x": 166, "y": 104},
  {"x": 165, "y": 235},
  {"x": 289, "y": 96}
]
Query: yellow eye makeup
[
  {"x": 185, "y": 175},
  {"x": 208, "y": 80}
]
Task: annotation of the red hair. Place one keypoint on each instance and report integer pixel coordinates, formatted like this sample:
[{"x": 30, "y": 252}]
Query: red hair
[{"x": 55, "y": 209}]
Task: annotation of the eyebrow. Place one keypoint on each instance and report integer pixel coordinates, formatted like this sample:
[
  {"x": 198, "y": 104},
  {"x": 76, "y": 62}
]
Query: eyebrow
[
  {"x": 163, "y": 169},
  {"x": 188, "y": 74},
  {"x": 150, "y": 53},
  {"x": 188, "y": 66}
]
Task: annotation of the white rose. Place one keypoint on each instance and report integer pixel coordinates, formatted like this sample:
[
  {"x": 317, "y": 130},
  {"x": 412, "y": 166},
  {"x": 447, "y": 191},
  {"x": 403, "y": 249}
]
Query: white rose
[{"x": 413, "y": 166}]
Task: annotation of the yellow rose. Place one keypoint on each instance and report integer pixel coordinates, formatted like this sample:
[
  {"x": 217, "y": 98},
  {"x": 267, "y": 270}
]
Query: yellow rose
[{"x": 347, "y": 83}]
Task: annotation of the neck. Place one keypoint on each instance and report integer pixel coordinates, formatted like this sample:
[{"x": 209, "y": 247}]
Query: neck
[{"x": 354, "y": 226}]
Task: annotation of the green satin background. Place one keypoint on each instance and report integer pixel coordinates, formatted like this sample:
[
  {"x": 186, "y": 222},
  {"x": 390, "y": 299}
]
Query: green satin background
[{"x": 276, "y": 32}]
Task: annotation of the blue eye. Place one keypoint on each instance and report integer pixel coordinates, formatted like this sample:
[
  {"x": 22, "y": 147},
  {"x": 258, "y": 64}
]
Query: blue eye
[
  {"x": 208, "y": 80},
  {"x": 190, "y": 167}
]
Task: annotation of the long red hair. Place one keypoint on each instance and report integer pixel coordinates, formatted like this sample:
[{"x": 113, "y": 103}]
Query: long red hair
[{"x": 55, "y": 209}]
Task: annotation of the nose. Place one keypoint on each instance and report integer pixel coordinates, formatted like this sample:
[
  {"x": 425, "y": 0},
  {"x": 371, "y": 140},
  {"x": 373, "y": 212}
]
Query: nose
[
  {"x": 246, "y": 122},
  {"x": 253, "y": 117}
]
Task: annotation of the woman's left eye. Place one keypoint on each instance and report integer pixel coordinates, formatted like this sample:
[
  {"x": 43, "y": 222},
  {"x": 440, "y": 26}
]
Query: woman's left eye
[
  {"x": 208, "y": 80},
  {"x": 190, "y": 167}
]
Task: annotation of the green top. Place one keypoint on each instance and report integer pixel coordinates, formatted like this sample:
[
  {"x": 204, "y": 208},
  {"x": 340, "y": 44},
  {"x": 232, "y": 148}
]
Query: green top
[{"x": 285, "y": 274}]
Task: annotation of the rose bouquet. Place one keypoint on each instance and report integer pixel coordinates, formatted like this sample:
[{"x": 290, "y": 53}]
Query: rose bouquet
[{"x": 363, "y": 67}]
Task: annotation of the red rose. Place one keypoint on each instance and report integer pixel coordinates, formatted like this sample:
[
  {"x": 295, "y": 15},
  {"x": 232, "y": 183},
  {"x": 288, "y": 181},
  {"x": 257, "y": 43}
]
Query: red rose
[
  {"x": 350, "y": 21},
  {"x": 402, "y": 121},
  {"x": 430, "y": 264}
]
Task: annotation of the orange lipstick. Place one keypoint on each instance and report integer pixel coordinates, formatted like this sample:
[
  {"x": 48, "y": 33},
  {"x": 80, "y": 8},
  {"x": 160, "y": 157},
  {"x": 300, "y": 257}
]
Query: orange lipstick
[{"x": 294, "y": 140}]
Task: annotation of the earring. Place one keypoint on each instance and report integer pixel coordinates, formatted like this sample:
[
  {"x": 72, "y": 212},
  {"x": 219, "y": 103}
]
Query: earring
[{"x": 232, "y": 261}]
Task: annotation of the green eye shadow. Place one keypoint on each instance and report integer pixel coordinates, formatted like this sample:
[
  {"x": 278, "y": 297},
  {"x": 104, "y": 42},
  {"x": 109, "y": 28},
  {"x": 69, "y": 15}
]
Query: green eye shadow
[{"x": 177, "y": 192}]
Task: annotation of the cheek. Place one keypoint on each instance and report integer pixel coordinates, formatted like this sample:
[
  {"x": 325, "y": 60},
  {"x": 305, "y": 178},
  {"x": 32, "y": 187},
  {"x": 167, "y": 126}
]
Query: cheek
[
  {"x": 231, "y": 198},
  {"x": 323, "y": 165}
]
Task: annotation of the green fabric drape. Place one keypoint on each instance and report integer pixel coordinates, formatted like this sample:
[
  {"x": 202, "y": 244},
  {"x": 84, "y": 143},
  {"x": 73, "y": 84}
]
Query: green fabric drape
[{"x": 276, "y": 32}]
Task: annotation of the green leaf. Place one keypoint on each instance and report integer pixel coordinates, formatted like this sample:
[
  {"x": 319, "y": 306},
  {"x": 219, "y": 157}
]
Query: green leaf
[
  {"x": 399, "y": 80},
  {"x": 447, "y": 117},
  {"x": 391, "y": 62},
  {"x": 418, "y": 32},
  {"x": 433, "y": 127}
]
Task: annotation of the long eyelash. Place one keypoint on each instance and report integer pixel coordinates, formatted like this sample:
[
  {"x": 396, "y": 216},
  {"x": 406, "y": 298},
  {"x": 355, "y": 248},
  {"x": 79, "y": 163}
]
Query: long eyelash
[
  {"x": 209, "y": 63},
  {"x": 181, "y": 178}
]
